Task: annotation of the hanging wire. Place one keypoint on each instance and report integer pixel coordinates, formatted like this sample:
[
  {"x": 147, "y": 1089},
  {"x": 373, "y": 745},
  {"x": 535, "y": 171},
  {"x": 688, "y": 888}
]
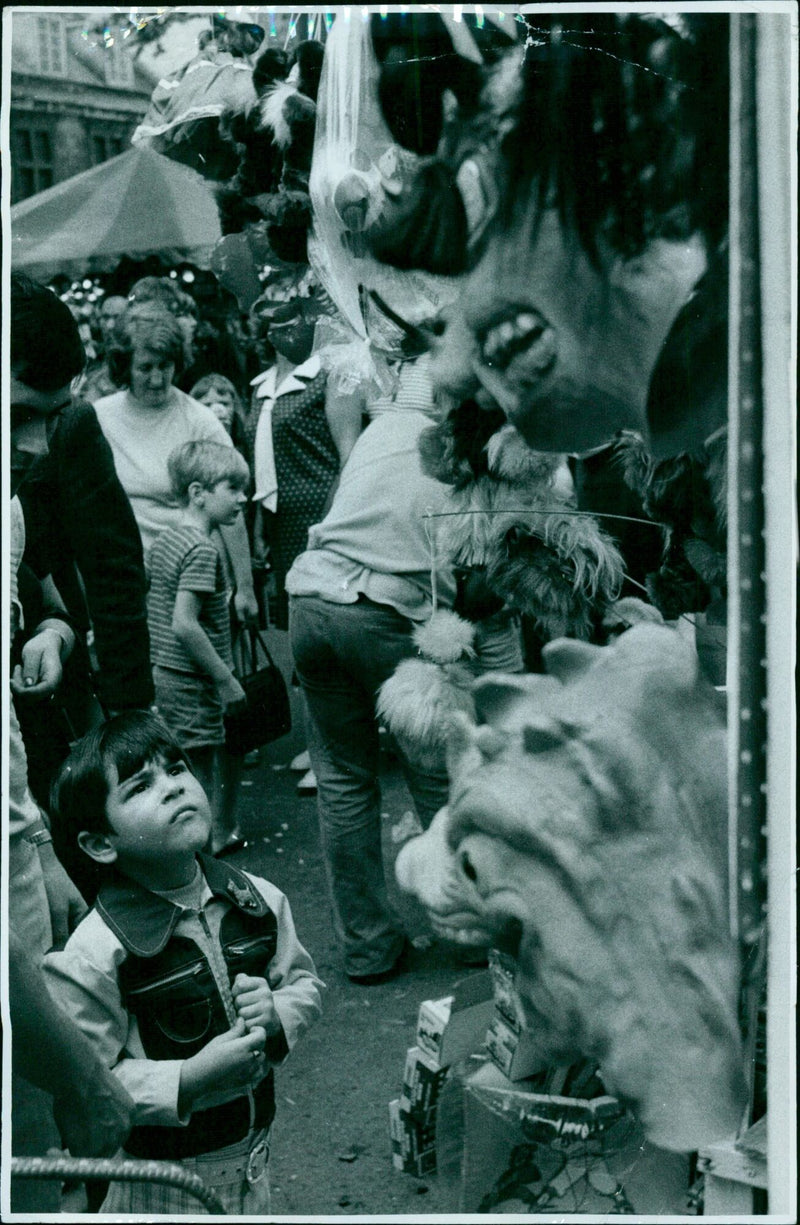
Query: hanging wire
[
  {"x": 426, "y": 519},
  {"x": 530, "y": 510}
]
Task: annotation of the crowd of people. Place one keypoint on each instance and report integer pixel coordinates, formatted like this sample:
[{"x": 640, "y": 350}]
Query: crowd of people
[
  {"x": 141, "y": 512},
  {"x": 169, "y": 496}
]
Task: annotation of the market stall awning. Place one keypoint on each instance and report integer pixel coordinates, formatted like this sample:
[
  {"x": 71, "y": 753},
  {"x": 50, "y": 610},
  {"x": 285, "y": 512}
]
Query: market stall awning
[{"x": 136, "y": 203}]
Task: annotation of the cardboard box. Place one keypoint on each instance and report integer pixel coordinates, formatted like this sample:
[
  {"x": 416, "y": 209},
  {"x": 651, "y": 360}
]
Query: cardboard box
[
  {"x": 503, "y": 971},
  {"x": 515, "y": 1051},
  {"x": 422, "y": 1080},
  {"x": 454, "y": 1027},
  {"x": 413, "y": 1142},
  {"x": 500, "y": 1121}
]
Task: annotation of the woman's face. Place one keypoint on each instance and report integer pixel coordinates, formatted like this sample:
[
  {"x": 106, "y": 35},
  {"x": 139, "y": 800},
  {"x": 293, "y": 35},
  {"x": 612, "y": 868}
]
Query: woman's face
[
  {"x": 293, "y": 338},
  {"x": 151, "y": 377},
  {"x": 220, "y": 401}
]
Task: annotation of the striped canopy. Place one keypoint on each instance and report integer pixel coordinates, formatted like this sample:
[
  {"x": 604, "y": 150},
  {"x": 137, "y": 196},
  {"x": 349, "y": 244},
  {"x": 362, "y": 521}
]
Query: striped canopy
[{"x": 136, "y": 203}]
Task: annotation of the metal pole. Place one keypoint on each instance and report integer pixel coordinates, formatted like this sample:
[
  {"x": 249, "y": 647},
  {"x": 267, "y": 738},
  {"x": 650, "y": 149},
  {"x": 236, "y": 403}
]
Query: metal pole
[
  {"x": 776, "y": 114},
  {"x": 747, "y": 608}
]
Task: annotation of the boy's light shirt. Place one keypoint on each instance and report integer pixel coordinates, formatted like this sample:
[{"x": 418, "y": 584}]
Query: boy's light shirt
[{"x": 83, "y": 979}]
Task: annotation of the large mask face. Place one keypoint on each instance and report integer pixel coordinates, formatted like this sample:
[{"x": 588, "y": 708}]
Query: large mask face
[
  {"x": 565, "y": 348},
  {"x": 592, "y": 171},
  {"x": 588, "y": 816}
]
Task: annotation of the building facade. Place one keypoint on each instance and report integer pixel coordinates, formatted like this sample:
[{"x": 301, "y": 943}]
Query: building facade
[
  {"x": 78, "y": 91},
  {"x": 75, "y": 101}
]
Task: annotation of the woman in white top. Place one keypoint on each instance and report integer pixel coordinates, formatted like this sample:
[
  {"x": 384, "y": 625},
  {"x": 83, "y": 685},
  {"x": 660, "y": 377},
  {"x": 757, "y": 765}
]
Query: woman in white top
[{"x": 147, "y": 418}]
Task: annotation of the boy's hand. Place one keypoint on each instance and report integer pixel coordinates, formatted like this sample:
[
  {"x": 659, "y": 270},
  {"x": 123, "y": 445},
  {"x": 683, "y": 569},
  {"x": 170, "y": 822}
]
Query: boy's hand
[
  {"x": 246, "y": 606},
  {"x": 232, "y": 1059},
  {"x": 231, "y": 693},
  {"x": 252, "y": 999}
]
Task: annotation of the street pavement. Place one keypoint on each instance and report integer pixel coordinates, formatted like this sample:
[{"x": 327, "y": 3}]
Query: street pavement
[{"x": 331, "y": 1152}]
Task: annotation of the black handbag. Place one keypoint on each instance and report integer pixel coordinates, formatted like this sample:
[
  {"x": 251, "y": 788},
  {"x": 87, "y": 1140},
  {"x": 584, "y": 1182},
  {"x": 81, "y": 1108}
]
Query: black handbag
[{"x": 266, "y": 714}]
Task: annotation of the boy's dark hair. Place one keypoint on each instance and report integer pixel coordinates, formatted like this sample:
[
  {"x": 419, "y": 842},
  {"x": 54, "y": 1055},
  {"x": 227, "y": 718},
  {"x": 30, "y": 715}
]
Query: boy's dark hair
[
  {"x": 207, "y": 463},
  {"x": 126, "y": 742},
  {"x": 46, "y": 348}
]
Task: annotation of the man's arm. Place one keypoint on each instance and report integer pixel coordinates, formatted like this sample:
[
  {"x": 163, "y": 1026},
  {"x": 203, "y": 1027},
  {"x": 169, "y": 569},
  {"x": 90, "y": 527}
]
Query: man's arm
[{"x": 76, "y": 510}]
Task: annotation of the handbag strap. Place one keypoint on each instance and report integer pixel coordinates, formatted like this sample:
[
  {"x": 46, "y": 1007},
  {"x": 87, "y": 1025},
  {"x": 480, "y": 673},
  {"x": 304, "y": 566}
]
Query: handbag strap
[{"x": 255, "y": 638}]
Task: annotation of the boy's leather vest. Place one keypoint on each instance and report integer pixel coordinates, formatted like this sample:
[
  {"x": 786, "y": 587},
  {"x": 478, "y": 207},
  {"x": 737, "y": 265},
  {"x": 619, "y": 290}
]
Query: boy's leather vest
[{"x": 167, "y": 984}]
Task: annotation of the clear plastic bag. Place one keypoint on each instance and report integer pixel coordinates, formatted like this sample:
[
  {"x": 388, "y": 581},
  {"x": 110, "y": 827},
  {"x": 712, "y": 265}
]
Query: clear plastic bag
[{"x": 356, "y": 168}]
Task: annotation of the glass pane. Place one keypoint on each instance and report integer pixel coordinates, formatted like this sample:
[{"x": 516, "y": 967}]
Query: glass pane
[
  {"x": 99, "y": 146},
  {"x": 44, "y": 151},
  {"x": 44, "y": 178},
  {"x": 26, "y": 182},
  {"x": 24, "y": 146}
]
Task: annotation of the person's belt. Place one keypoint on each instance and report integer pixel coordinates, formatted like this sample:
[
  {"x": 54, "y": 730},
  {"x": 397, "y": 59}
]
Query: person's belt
[{"x": 207, "y": 1129}]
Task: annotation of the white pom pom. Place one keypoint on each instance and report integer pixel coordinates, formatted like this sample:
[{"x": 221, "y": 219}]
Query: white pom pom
[
  {"x": 446, "y": 638},
  {"x": 417, "y": 704}
]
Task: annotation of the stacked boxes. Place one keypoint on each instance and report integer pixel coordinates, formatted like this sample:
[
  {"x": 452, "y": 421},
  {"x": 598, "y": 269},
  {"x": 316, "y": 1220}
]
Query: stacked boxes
[
  {"x": 413, "y": 1142},
  {"x": 448, "y": 1029},
  {"x": 512, "y": 1047},
  {"x": 422, "y": 1079}
]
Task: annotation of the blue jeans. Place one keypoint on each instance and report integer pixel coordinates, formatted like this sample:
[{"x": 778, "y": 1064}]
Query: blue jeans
[{"x": 342, "y": 654}]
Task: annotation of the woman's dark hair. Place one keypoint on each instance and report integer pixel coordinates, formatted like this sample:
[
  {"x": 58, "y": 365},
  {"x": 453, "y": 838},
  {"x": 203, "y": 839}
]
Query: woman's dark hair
[
  {"x": 79, "y": 794},
  {"x": 145, "y": 326},
  {"x": 629, "y": 124},
  {"x": 46, "y": 348}
]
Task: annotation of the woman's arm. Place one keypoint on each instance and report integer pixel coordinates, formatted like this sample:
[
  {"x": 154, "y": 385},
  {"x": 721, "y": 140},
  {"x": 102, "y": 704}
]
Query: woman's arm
[
  {"x": 344, "y": 412},
  {"x": 238, "y": 546}
]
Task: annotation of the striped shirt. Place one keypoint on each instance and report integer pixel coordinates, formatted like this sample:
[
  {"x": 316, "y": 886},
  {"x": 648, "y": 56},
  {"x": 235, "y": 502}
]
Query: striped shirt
[{"x": 183, "y": 559}]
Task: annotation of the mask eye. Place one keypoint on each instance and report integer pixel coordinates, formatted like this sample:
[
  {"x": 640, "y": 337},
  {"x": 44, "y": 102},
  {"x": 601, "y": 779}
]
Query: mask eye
[{"x": 467, "y": 867}]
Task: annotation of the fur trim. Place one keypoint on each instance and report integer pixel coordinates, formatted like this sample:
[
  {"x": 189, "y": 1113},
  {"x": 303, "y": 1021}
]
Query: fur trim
[
  {"x": 445, "y": 638},
  {"x": 510, "y": 458},
  {"x": 632, "y": 458},
  {"x": 453, "y": 450},
  {"x": 590, "y": 554},
  {"x": 530, "y": 578},
  {"x": 706, "y": 561},
  {"x": 273, "y": 115},
  {"x": 417, "y": 704}
]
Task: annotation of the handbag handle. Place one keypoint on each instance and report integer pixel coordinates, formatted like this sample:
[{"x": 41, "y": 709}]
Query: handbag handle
[{"x": 255, "y": 638}]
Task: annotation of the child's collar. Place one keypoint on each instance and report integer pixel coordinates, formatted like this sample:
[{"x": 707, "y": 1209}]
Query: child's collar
[{"x": 144, "y": 922}]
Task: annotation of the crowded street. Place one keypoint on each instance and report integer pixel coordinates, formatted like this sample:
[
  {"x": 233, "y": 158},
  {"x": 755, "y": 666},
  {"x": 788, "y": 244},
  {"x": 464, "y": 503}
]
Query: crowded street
[
  {"x": 400, "y": 544},
  {"x": 335, "y": 1104}
]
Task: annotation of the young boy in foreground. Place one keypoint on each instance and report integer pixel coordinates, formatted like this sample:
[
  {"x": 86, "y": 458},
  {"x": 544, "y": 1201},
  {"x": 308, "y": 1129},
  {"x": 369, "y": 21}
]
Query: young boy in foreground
[{"x": 187, "y": 973}]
